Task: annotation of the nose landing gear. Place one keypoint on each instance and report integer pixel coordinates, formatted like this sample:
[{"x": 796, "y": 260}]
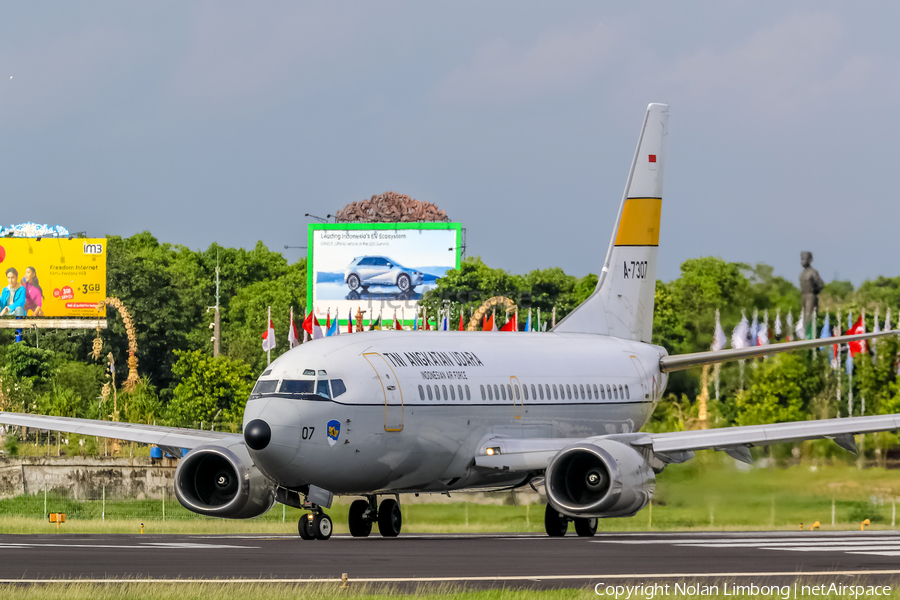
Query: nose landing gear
[{"x": 316, "y": 525}]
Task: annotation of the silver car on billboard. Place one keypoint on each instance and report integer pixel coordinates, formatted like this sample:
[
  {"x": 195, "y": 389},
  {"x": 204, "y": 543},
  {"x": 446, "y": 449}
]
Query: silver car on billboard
[{"x": 380, "y": 270}]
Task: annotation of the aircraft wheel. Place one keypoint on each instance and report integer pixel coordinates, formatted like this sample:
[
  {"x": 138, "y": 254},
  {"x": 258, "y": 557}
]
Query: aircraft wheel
[
  {"x": 322, "y": 526},
  {"x": 555, "y": 524},
  {"x": 360, "y": 526},
  {"x": 305, "y": 528},
  {"x": 586, "y": 527},
  {"x": 390, "y": 520},
  {"x": 353, "y": 283},
  {"x": 404, "y": 283}
]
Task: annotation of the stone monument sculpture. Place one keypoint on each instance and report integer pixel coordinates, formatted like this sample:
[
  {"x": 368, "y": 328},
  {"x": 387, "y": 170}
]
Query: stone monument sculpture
[
  {"x": 810, "y": 286},
  {"x": 390, "y": 207}
]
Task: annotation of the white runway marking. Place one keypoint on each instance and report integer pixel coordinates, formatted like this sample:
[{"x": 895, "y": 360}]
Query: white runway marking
[
  {"x": 143, "y": 546},
  {"x": 813, "y": 538},
  {"x": 887, "y": 544}
]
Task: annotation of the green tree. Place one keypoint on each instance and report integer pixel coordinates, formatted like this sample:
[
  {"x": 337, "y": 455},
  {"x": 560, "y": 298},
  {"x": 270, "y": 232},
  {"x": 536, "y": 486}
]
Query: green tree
[
  {"x": 470, "y": 285},
  {"x": 780, "y": 391},
  {"x": 142, "y": 404},
  {"x": 209, "y": 389},
  {"x": 85, "y": 380},
  {"x": 246, "y": 319},
  {"x": 23, "y": 360}
]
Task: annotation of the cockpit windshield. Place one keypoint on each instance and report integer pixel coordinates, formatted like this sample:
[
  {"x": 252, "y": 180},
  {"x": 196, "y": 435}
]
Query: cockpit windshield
[
  {"x": 298, "y": 386},
  {"x": 305, "y": 389},
  {"x": 265, "y": 386}
]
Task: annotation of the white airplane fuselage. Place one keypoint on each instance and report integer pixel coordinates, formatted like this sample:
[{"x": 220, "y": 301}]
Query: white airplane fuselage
[{"x": 418, "y": 405}]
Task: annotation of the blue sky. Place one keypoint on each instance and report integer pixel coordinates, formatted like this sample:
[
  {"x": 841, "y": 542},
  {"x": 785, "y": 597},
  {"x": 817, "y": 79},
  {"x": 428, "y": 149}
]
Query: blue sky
[{"x": 227, "y": 121}]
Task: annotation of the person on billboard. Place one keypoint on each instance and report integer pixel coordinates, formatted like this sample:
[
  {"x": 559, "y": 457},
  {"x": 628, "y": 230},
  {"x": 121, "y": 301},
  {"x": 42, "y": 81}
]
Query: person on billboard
[
  {"x": 12, "y": 300},
  {"x": 34, "y": 295}
]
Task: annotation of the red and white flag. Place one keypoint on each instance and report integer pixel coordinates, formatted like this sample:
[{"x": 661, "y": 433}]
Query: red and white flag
[
  {"x": 316, "y": 329},
  {"x": 293, "y": 339},
  {"x": 397, "y": 324},
  {"x": 511, "y": 324},
  {"x": 461, "y": 312},
  {"x": 858, "y": 328},
  {"x": 268, "y": 336}
]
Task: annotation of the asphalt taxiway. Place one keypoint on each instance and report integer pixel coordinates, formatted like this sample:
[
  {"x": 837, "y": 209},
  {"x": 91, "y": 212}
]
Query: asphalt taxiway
[{"x": 504, "y": 559}]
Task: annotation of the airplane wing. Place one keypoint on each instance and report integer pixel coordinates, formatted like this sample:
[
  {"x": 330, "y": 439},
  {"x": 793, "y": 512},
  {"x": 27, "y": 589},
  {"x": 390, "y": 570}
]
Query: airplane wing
[
  {"x": 680, "y": 362},
  {"x": 678, "y": 446},
  {"x": 168, "y": 438}
]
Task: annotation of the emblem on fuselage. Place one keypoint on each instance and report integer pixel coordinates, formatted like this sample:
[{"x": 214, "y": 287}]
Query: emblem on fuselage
[{"x": 334, "y": 431}]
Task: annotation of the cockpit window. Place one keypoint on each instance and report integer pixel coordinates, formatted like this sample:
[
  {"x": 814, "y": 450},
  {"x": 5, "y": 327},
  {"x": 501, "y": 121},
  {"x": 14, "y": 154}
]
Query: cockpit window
[
  {"x": 265, "y": 386},
  {"x": 309, "y": 372},
  {"x": 297, "y": 386},
  {"x": 338, "y": 387},
  {"x": 310, "y": 389},
  {"x": 322, "y": 373}
]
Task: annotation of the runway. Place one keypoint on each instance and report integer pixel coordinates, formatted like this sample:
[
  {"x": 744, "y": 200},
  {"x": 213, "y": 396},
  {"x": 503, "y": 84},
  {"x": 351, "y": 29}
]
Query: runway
[{"x": 501, "y": 559}]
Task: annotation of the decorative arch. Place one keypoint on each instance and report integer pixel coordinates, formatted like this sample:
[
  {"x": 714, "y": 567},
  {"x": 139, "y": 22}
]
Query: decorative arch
[
  {"x": 133, "y": 379},
  {"x": 502, "y": 301}
]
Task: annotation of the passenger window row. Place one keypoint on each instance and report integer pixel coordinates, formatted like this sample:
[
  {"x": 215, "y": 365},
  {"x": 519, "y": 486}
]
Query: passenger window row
[
  {"x": 574, "y": 392},
  {"x": 436, "y": 392},
  {"x": 553, "y": 392}
]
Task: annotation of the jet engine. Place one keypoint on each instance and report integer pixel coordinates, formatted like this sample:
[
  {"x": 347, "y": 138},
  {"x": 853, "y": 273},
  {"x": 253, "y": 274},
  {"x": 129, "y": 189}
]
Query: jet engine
[
  {"x": 600, "y": 479},
  {"x": 223, "y": 482}
]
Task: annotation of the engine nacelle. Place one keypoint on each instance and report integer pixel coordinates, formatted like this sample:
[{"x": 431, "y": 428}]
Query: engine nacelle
[
  {"x": 600, "y": 479},
  {"x": 223, "y": 482}
]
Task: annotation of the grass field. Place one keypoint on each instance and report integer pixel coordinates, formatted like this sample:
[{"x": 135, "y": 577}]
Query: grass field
[
  {"x": 316, "y": 591},
  {"x": 709, "y": 494}
]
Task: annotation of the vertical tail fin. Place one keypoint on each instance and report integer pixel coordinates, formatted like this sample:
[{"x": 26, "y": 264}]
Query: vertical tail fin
[{"x": 622, "y": 304}]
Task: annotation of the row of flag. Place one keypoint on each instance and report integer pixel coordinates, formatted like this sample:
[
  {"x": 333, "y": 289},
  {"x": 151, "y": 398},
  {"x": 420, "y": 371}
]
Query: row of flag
[
  {"x": 758, "y": 333},
  {"x": 313, "y": 329}
]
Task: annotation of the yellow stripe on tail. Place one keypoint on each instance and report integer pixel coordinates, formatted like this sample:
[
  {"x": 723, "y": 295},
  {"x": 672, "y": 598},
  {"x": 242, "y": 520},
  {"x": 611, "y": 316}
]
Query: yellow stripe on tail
[{"x": 640, "y": 222}]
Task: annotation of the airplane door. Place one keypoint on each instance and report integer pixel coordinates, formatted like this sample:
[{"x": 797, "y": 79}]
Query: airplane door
[
  {"x": 518, "y": 405},
  {"x": 393, "y": 398},
  {"x": 645, "y": 384}
]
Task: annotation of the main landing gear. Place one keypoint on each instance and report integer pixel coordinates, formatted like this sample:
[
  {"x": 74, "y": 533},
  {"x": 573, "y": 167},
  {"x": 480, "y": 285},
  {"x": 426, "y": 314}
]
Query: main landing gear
[
  {"x": 556, "y": 524},
  {"x": 363, "y": 513}
]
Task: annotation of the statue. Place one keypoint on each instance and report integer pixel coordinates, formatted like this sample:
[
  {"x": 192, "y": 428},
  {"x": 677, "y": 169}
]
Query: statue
[{"x": 810, "y": 286}]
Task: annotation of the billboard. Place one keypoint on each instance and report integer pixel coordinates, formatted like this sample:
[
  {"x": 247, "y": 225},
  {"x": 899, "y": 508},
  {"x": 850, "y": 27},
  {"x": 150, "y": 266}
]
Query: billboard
[
  {"x": 378, "y": 268},
  {"x": 53, "y": 277}
]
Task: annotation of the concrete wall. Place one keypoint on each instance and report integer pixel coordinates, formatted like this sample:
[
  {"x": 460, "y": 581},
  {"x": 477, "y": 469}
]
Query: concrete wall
[
  {"x": 85, "y": 478},
  {"x": 82, "y": 478}
]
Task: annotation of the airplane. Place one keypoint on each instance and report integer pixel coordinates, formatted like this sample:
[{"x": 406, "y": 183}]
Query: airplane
[{"x": 380, "y": 413}]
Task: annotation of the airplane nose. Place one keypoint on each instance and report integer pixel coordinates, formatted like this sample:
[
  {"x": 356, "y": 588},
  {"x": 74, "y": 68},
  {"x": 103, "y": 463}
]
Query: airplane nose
[{"x": 257, "y": 434}]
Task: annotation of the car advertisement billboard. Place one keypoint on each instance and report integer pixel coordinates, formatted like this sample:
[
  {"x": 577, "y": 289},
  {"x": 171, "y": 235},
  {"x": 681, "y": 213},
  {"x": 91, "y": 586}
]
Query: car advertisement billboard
[
  {"x": 52, "y": 277},
  {"x": 377, "y": 268}
]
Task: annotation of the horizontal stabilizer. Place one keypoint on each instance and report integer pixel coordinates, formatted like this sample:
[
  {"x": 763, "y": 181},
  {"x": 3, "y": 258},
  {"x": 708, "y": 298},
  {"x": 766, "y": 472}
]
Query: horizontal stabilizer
[{"x": 680, "y": 362}]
